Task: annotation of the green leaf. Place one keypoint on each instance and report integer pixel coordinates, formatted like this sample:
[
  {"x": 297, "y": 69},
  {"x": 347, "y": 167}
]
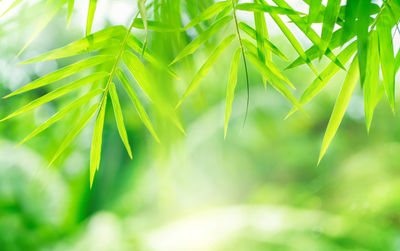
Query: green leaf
[
  {"x": 119, "y": 118},
  {"x": 273, "y": 79},
  {"x": 320, "y": 82},
  {"x": 315, "y": 6},
  {"x": 362, "y": 37},
  {"x": 51, "y": 10},
  {"x": 263, "y": 7},
  {"x": 371, "y": 79},
  {"x": 96, "y": 41},
  {"x": 138, "y": 23},
  {"x": 292, "y": 39},
  {"x": 75, "y": 131},
  {"x": 136, "y": 45},
  {"x": 136, "y": 102},
  {"x": 142, "y": 10},
  {"x": 90, "y": 16},
  {"x": 230, "y": 90},
  {"x": 95, "y": 150},
  {"x": 331, "y": 14},
  {"x": 339, "y": 110},
  {"x": 384, "y": 30},
  {"x": 202, "y": 38},
  {"x": 205, "y": 68},
  {"x": 251, "y": 47},
  {"x": 261, "y": 33},
  {"x": 63, "y": 73},
  {"x": 70, "y": 9},
  {"x": 12, "y": 6},
  {"x": 62, "y": 113},
  {"x": 253, "y": 34},
  {"x": 350, "y": 15},
  {"x": 310, "y": 33},
  {"x": 57, "y": 93},
  {"x": 207, "y": 14}
]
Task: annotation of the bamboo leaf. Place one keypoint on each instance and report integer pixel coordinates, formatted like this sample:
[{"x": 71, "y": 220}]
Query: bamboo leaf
[
  {"x": 93, "y": 42},
  {"x": 57, "y": 93},
  {"x": 153, "y": 25},
  {"x": 253, "y": 34},
  {"x": 205, "y": 68},
  {"x": 230, "y": 90},
  {"x": 207, "y": 14},
  {"x": 362, "y": 37},
  {"x": 63, "y": 73},
  {"x": 75, "y": 131},
  {"x": 339, "y": 110},
  {"x": 315, "y": 6},
  {"x": 261, "y": 33},
  {"x": 273, "y": 79},
  {"x": 95, "y": 150},
  {"x": 12, "y": 6},
  {"x": 142, "y": 10},
  {"x": 319, "y": 83},
  {"x": 384, "y": 30},
  {"x": 331, "y": 14},
  {"x": 70, "y": 9},
  {"x": 202, "y": 38},
  {"x": 139, "y": 108},
  {"x": 90, "y": 16},
  {"x": 263, "y": 7},
  {"x": 62, "y": 113},
  {"x": 119, "y": 118},
  {"x": 371, "y": 79}
]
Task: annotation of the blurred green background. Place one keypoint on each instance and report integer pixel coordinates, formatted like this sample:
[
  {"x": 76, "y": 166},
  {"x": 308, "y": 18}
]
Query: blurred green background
[{"x": 260, "y": 189}]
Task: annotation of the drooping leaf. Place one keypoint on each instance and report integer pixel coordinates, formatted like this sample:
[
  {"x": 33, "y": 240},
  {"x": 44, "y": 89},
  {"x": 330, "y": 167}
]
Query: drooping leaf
[
  {"x": 119, "y": 118},
  {"x": 253, "y": 34},
  {"x": 273, "y": 79},
  {"x": 12, "y": 6},
  {"x": 261, "y": 33},
  {"x": 292, "y": 39},
  {"x": 317, "y": 85},
  {"x": 90, "y": 16},
  {"x": 350, "y": 16},
  {"x": 205, "y": 68},
  {"x": 384, "y": 30},
  {"x": 315, "y": 6},
  {"x": 57, "y": 93},
  {"x": 208, "y": 13},
  {"x": 70, "y": 9},
  {"x": 230, "y": 90},
  {"x": 143, "y": 14},
  {"x": 202, "y": 38},
  {"x": 75, "y": 131},
  {"x": 139, "y": 108},
  {"x": 62, "y": 113},
  {"x": 264, "y": 7},
  {"x": 331, "y": 14},
  {"x": 371, "y": 79},
  {"x": 93, "y": 42},
  {"x": 339, "y": 110},
  {"x": 362, "y": 37},
  {"x": 63, "y": 73},
  {"x": 95, "y": 150}
]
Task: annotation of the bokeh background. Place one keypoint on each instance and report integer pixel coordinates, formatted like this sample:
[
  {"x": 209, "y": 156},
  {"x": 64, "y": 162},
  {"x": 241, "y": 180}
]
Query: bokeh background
[{"x": 259, "y": 189}]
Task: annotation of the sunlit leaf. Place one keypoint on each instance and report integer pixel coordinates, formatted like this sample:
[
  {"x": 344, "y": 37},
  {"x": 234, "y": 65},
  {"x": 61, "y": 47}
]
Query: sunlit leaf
[
  {"x": 230, "y": 90},
  {"x": 143, "y": 14},
  {"x": 339, "y": 110},
  {"x": 90, "y": 16},
  {"x": 208, "y": 13},
  {"x": 70, "y": 9},
  {"x": 119, "y": 118},
  {"x": 264, "y": 7},
  {"x": 331, "y": 14},
  {"x": 205, "y": 68}
]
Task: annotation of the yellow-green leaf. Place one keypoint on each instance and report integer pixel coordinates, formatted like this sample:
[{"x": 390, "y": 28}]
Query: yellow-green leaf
[
  {"x": 119, "y": 118},
  {"x": 263, "y": 7},
  {"x": 339, "y": 110},
  {"x": 207, "y": 13},
  {"x": 90, "y": 16},
  {"x": 230, "y": 90}
]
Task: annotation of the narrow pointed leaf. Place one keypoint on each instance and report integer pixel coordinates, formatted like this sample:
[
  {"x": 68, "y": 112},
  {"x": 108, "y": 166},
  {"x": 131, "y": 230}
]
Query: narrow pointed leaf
[
  {"x": 119, "y": 118},
  {"x": 63, "y": 73},
  {"x": 142, "y": 10},
  {"x": 75, "y": 131},
  {"x": 57, "y": 93},
  {"x": 362, "y": 37},
  {"x": 12, "y": 6},
  {"x": 96, "y": 41},
  {"x": 90, "y": 16},
  {"x": 330, "y": 16},
  {"x": 62, "y": 113},
  {"x": 253, "y": 34},
  {"x": 263, "y": 7},
  {"x": 208, "y": 13},
  {"x": 95, "y": 150},
  {"x": 384, "y": 30},
  {"x": 205, "y": 68},
  {"x": 230, "y": 90},
  {"x": 315, "y": 6},
  {"x": 136, "y": 102},
  {"x": 339, "y": 110},
  {"x": 202, "y": 38},
  {"x": 70, "y": 9}
]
